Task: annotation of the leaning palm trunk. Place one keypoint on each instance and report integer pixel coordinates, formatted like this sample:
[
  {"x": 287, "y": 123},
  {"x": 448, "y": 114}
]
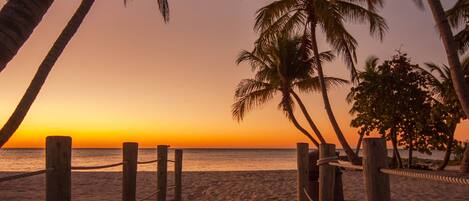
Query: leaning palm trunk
[
  {"x": 43, "y": 71},
  {"x": 308, "y": 118},
  {"x": 292, "y": 117},
  {"x": 18, "y": 18},
  {"x": 348, "y": 150},
  {"x": 359, "y": 144},
  {"x": 465, "y": 159},
  {"x": 397, "y": 160},
  {"x": 411, "y": 150},
  {"x": 457, "y": 75},
  {"x": 449, "y": 148}
]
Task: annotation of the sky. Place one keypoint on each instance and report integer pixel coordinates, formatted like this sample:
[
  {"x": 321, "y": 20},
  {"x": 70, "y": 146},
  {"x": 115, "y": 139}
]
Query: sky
[{"x": 128, "y": 76}]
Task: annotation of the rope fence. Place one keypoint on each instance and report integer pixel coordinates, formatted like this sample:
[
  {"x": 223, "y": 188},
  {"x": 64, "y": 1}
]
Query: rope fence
[
  {"x": 146, "y": 162},
  {"x": 22, "y": 175},
  {"x": 96, "y": 167},
  {"x": 375, "y": 172},
  {"x": 346, "y": 165},
  {"x": 59, "y": 170},
  {"x": 427, "y": 176}
]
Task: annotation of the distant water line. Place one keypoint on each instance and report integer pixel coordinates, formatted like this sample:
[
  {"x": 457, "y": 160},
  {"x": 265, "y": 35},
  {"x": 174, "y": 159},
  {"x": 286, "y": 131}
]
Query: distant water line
[{"x": 194, "y": 159}]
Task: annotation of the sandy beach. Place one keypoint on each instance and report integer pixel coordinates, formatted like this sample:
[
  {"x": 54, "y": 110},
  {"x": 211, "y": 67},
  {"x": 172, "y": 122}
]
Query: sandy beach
[{"x": 223, "y": 186}]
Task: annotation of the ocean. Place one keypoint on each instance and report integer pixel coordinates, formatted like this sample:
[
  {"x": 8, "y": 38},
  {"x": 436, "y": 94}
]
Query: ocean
[{"x": 193, "y": 159}]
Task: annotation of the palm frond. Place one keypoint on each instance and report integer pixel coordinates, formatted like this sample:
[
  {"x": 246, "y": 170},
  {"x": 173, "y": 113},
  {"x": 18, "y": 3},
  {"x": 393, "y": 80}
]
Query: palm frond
[
  {"x": 267, "y": 15},
  {"x": 250, "y": 101},
  {"x": 286, "y": 25},
  {"x": 458, "y": 14},
  {"x": 371, "y": 63},
  {"x": 164, "y": 9},
  {"x": 253, "y": 58},
  {"x": 357, "y": 14},
  {"x": 247, "y": 86},
  {"x": 462, "y": 40},
  {"x": 312, "y": 84}
]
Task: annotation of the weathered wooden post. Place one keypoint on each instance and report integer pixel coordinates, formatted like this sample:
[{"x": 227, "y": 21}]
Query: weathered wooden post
[
  {"x": 129, "y": 171},
  {"x": 58, "y": 166},
  {"x": 303, "y": 170},
  {"x": 162, "y": 172},
  {"x": 178, "y": 175},
  {"x": 375, "y": 157},
  {"x": 326, "y": 173},
  {"x": 313, "y": 175}
]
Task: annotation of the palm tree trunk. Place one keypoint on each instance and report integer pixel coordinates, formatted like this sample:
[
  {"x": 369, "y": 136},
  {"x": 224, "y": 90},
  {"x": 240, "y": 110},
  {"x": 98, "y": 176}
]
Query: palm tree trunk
[
  {"x": 348, "y": 150},
  {"x": 43, "y": 71},
  {"x": 18, "y": 19},
  {"x": 464, "y": 167},
  {"x": 308, "y": 118},
  {"x": 411, "y": 149},
  {"x": 395, "y": 149},
  {"x": 457, "y": 75},
  {"x": 297, "y": 125},
  {"x": 359, "y": 144},
  {"x": 449, "y": 148}
]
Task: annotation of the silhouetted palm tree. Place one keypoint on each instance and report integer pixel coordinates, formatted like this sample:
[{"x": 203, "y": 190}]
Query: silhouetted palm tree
[
  {"x": 18, "y": 19},
  {"x": 447, "y": 100},
  {"x": 47, "y": 64},
  {"x": 282, "y": 67},
  {"x": 330, "y": 16}
]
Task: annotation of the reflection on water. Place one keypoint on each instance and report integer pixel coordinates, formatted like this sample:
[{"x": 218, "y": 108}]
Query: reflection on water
[{"x": 194, "y": 159}]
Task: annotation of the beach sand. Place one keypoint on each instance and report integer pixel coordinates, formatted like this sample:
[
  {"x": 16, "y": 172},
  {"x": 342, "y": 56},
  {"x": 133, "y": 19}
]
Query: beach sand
[{"x": 225, "y": 186}]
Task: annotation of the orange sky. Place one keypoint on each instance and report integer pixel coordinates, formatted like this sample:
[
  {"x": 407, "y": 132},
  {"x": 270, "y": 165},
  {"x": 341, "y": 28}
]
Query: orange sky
[{"x": 127, "y": 76}]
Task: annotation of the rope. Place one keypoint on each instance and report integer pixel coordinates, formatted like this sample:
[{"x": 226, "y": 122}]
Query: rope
[
  {"x": 96, "y": 167},
  {"x": 307, "y": 194},
  {"x": 22, "y": 175},
  {"x": 427, "y": 176},
  {"x": 326, "y": 160},
  {"x": 156, "y": 192},
  {"x": 346, "y": 164},
  {"x": 147, "y": 162},
  {"x": 150, "y": 196}
]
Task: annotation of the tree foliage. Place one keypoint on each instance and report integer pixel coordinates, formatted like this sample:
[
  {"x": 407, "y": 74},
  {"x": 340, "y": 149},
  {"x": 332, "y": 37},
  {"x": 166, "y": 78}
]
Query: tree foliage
[{"x": 394, "y": 99}]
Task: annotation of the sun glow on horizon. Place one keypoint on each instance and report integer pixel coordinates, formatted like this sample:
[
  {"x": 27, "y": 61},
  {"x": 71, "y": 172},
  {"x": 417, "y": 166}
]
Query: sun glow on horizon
[{"x": 127, "y": 76}]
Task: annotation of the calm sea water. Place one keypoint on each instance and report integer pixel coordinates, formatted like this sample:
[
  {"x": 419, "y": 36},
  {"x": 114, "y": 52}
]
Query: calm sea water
[{"x": 194, "y": 159}]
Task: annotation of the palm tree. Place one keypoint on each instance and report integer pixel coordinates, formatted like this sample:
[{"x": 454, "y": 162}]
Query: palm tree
[
  {"x": 281, "y": 67},
  {"x": 458, "y": 17},
  {"x": 457, "y": 75},
  {"x": 330, "y": 16},
  {"x": 446, "y": 100},
  {"x": 47, "y": 64},
  {"x": 18, "y": 19}
]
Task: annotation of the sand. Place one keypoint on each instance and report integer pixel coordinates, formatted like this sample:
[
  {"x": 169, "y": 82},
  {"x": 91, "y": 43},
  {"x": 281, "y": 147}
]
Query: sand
[{"x": 225, "y": 186}]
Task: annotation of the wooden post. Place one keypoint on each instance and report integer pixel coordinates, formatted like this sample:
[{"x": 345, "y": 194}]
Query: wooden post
[
  {"x": 162, "y": 172},
  {"x": 178, "y": 175},
  {"x": 375, "y": 157},
  {"x": 129, "y": 171},
  {"x": 303, "y": 171},
  {"x": 326, "y": 173},
  {"x": 58, "y": 165}
]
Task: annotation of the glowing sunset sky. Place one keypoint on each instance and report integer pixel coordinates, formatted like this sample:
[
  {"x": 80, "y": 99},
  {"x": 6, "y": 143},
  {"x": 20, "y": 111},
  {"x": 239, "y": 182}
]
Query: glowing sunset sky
[{"x": 126, "y": 76}]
